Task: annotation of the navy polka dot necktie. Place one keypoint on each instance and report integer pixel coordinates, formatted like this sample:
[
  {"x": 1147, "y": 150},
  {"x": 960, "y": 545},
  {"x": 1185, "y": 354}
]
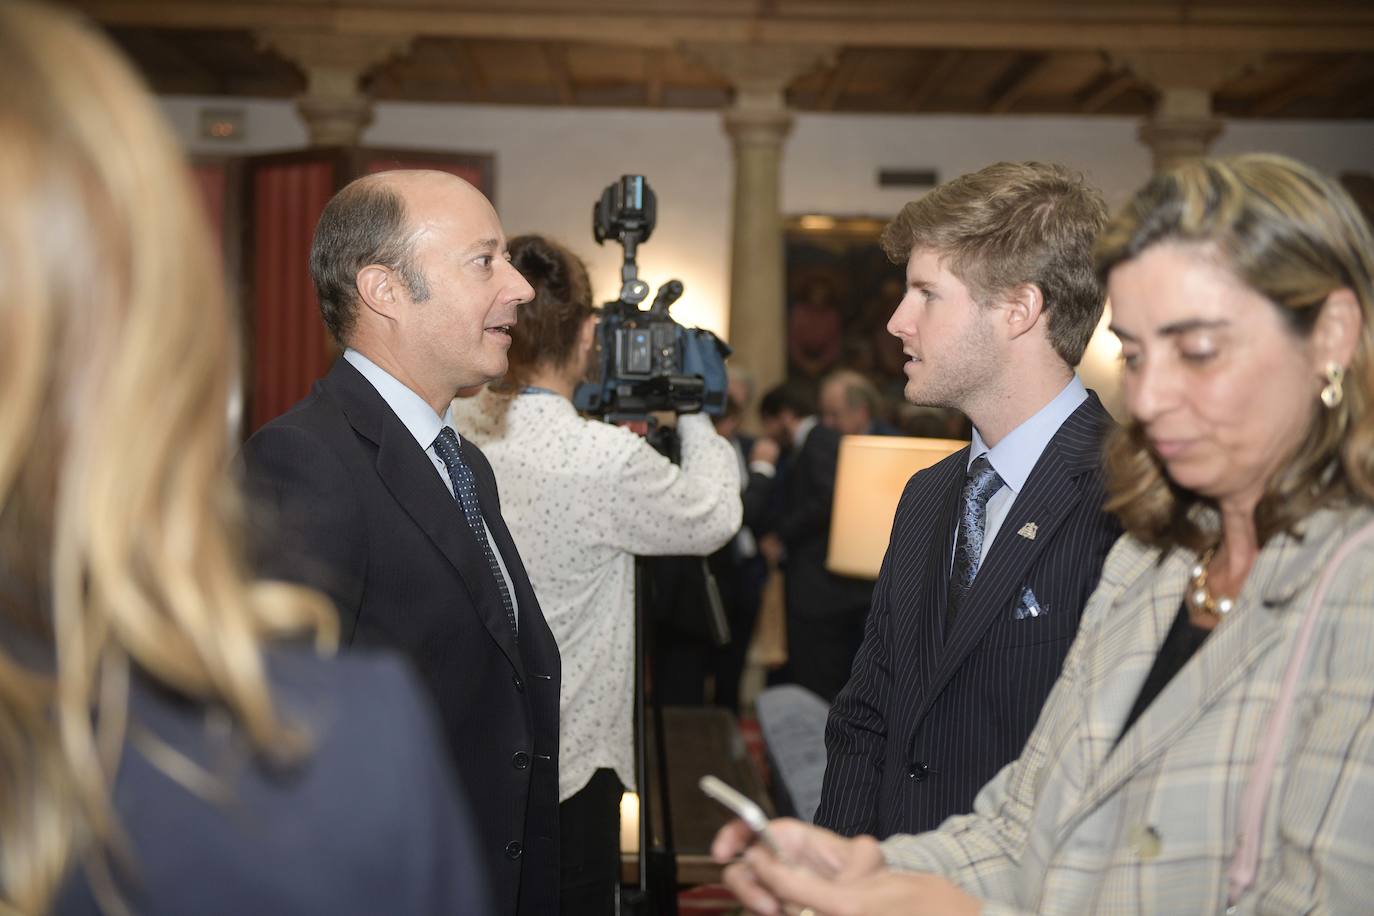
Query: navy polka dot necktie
[
  {"x": 981, "y": 483},
  {"x": 465, "y": 490}
]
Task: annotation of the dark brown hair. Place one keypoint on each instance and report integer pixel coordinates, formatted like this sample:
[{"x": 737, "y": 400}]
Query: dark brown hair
[
  {"x": 1294, "y": 236},
  {"x": 1014, "y": 223},
  {"x": 547, "y": 327},
  {"x": 365, "y": 223}
]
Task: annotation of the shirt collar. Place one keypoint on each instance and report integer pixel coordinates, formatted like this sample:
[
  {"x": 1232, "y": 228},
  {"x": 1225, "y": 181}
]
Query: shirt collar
[
  {"x": 1015, "y": 456},
  {"x": 803, "y": 430},
  {"x": 417, "y": 416}
]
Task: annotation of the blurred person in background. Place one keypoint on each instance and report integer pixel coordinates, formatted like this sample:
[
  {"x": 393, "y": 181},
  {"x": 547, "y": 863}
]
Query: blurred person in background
[
  {"x": 582, "y": 499},
  {"x": 851, "y": 405},
  {"x": 1160, "y": 777},
  {"x": 172, "y": 737},
  {"x": 739, "y": 568},
  {"x": 790, "y": 500}
]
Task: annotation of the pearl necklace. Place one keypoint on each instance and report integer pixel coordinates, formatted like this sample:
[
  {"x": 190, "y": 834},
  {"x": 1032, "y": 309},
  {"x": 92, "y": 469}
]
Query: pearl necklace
[{"x": 1200, "y": 599}]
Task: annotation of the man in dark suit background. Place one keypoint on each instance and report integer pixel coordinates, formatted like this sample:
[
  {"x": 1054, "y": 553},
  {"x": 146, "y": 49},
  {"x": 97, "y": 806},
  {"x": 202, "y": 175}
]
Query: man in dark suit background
[
  {"x": 850, "y": 405},
  {"x": 994, "y": 550},
  {"x": 791, "y": 500},
  {"x": 379, "y": 504},
  {"x": 739, "y": 568}
]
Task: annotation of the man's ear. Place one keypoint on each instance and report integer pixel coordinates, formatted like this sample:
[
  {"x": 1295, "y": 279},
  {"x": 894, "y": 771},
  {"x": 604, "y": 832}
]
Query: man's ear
[
  {"x": 1023, "y": 306},
  {"x": 1337, "y": 332},
  {"x": 379, "y": 290}
]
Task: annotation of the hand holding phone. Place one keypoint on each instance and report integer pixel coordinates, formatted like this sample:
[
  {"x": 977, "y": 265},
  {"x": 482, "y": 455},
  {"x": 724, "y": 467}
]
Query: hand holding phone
[{"x": 744, "y": 808}]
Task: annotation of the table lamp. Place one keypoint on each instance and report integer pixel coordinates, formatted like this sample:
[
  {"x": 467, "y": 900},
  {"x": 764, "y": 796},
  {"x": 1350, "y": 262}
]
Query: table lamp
[{"x": 869, "y": 479}]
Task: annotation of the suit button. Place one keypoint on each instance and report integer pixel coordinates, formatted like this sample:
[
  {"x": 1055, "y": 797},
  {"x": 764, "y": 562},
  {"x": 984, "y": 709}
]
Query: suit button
[
  {"x": 519, "y": 684},
  {"x": 1146, "y": 842},
  {"x": 917, "y": 771},
  {"x": 520, "y": 761},
  {"x": 514, "y": 850}
]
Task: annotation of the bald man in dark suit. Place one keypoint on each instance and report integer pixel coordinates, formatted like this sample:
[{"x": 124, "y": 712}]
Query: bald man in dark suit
[{"x": 382, "y": 506}]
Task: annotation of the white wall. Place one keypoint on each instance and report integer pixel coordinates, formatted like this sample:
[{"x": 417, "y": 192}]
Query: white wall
[
  {"x": 269, "y": 125},
  {"x": 551, "y": 164}
]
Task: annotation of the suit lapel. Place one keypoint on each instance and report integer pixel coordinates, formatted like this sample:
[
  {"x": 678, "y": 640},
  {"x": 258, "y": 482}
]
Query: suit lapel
[
  {"x": 935, "y": 581},
  {"x": 1226, "y": 657},
  {"x": 1237, "y": 644},
  {"x": 1125, "y": 649},
  {"x": 1051, "y": 492},
  {"x": 410, "y": 477}
]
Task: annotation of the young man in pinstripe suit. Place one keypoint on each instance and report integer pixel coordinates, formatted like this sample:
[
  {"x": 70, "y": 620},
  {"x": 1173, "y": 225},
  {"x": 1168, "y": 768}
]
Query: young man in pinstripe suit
[{"x": 994, "y": 550}]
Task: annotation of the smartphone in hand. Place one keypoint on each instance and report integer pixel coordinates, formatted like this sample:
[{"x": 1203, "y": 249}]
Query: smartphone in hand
[{"x": 744, "y": 808}]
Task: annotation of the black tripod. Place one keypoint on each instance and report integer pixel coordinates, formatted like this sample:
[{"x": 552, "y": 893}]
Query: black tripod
[{"x": 656, "y": 894}]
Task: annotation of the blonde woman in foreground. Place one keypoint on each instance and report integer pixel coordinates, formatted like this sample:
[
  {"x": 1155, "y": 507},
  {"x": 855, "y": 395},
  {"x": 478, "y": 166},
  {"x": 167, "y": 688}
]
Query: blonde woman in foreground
[
  {"x": 1243, "y": 294},
  {"x": 163, "y": 747}
]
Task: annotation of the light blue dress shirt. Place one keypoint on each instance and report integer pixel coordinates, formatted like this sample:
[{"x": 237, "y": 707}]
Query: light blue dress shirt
[
  {"x": 1015, "y": 456},
  {"x": 424, "y": 424}
]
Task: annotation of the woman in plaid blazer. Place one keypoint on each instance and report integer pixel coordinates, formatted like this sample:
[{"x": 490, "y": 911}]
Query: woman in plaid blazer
[{"x": 1242, "y": 295}]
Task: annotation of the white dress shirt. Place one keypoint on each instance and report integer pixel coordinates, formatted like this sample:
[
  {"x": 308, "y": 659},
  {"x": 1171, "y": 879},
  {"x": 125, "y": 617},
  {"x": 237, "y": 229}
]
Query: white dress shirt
[
  {"x": 1015, "y": 456},
  {"x": 424, "y": 424},
  {"x": 582, "y": 498}
]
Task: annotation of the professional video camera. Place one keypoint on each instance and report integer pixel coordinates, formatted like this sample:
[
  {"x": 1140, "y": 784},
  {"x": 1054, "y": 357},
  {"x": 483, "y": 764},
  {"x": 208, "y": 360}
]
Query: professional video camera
[{"x": 647, "y": 361}]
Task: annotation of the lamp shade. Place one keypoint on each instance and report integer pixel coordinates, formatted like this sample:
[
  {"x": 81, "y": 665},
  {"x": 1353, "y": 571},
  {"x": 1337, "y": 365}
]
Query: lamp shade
[{"x": 869, "y": 479}]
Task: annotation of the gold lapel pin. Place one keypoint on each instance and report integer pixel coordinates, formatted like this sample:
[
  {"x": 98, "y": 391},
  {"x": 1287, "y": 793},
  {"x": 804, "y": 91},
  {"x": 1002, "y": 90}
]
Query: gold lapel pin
[{"x": 1028, "y": 531}]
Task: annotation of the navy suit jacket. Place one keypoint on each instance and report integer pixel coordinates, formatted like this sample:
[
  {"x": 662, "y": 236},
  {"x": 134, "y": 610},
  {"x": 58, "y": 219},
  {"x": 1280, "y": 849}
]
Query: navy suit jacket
[
  {"x": 368, "y": 822},
  {"x": 363, "y": 515},
  {"x": 800, "y": 516},
  {"x": 928, "y": 717}
]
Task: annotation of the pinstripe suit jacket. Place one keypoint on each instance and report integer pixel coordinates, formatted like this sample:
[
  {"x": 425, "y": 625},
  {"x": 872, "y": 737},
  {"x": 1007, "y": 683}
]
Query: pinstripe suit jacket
[
  {"x": 928, "y": 717},
  {"x": 1075, "y": 826}
]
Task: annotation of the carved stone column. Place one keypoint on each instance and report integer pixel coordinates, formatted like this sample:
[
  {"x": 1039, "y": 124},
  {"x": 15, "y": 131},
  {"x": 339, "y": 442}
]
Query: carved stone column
[
  {"x": 1183, "y": 127},
  {"x": 335, "y": 110},
  {"x": 758, "y": 122}
]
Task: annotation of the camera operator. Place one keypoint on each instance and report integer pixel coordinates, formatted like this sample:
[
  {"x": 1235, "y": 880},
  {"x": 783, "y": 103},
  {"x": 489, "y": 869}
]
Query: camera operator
[{"x": 582, "y": 498}]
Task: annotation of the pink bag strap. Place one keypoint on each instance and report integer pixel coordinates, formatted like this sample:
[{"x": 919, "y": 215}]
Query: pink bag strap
[{"x": 1240, "y": 876}]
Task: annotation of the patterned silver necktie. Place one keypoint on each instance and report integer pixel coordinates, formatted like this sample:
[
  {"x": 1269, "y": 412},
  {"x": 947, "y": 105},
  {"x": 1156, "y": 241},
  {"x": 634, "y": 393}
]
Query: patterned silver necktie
[
  {"x": 465, "y": 489},
  {"x": 981, "y": 483}
]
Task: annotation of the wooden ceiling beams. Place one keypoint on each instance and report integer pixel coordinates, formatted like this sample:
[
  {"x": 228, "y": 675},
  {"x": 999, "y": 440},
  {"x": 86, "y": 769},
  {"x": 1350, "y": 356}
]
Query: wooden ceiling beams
[
  {"x": 989, "y": 57},
  {"x": 1032, "y": 25}
]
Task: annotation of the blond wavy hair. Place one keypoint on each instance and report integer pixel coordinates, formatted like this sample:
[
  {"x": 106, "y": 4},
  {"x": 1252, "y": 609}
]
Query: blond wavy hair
[
  {"x": 119, "y": 529},
  {"x": 1012, "y": 223},
  {"x": 1294, "y": 236}
]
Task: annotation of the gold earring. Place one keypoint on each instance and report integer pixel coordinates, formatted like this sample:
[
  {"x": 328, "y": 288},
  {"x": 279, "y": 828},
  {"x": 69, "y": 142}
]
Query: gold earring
[{"x": 1334, "y": 392}]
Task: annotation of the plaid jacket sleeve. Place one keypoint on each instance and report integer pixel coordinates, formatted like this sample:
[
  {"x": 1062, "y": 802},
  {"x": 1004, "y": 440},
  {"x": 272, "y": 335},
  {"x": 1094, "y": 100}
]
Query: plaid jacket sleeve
[
  {"x": 1092, "y": 820},
  {"x": 981, "y": 851}
]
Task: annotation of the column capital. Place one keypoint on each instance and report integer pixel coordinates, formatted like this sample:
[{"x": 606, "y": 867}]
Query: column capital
[
  {"x": 1183, "y": 127},
  {"x": 1174, "y": 141},
  {"x": 760, "y": 74},
  {"x": 1201, "y": 70},
  {"x": 335, "y": 110},
  {"x": 1186, "y": 80},
  {"x": 757, "y": 126}
]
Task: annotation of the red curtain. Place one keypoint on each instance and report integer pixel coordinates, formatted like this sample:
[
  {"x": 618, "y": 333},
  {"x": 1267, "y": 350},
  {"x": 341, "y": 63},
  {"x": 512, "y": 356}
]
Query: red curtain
[{"x": 291, "y": 348}]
